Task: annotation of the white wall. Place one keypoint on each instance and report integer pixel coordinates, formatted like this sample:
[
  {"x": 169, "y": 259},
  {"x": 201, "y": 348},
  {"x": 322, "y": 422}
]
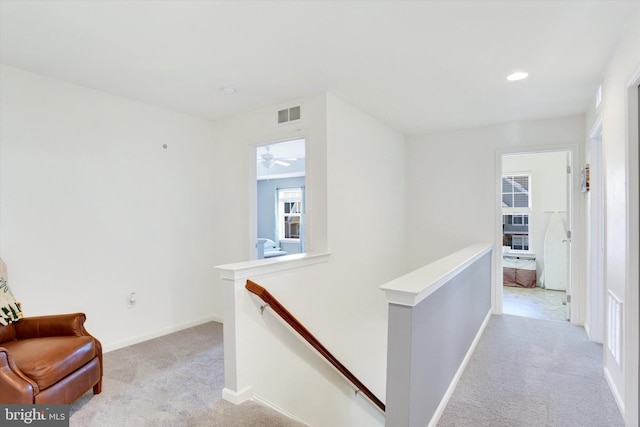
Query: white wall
[
  {"x": 366, "y": 197},
  {"x": 453, "y": 182},
  {"x": 234, "y": 173},
  {"x": 548, "y": 193},
  {"x": 94, "y": 208},
  {"x": 621, "y": 207},
  {"x": 236, "y": 139}
]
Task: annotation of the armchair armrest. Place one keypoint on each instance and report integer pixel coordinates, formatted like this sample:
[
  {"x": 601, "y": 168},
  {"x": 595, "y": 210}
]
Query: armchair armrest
[
  {"x": 51, "y": 326},
  {"x": 15, "y": 387}
]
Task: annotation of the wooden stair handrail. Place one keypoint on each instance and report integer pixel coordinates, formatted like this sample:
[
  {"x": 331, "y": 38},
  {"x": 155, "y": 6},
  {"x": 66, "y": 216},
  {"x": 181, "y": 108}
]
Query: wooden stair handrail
[{"x": 313, "y": 341}]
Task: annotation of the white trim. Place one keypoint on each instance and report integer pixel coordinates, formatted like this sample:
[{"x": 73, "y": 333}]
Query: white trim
[
  {"x": 614, "y": 391},
  {"x": 246, "y": 269},
  {"x": 289, "y": 240},
  {"x": 594, "y": 308},
  {"x": 276, "y": 408},
  {"x": 290, "y": 134},
  {"x": 578, "y": 303},
  {"x": 614, "y": 326},
  {"x": 415, "y": 286},
  {"x": 237, "y": 397},
  {"x": 596, "y": 129},
  {"x": 159, "y": 333},
  {"x": 634, "y": 79},
  {"x": 281, "y": 176},
  {"x": 631, "y": 314},
  {"x": 454, "y": 382}
]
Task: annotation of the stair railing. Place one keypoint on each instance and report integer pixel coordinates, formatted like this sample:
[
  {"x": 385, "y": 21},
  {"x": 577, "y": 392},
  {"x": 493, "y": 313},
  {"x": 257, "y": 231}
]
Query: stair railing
[{"x": 280, "y": 310}]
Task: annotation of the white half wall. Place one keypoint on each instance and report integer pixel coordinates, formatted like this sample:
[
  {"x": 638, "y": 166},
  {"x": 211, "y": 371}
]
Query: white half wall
[{"x": 94, "y": 208}]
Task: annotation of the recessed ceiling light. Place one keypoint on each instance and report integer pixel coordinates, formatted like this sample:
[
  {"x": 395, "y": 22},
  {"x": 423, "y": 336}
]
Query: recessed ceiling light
[
  {"x": 228, "y": 90},
  {"x": 517, "y": 76}
]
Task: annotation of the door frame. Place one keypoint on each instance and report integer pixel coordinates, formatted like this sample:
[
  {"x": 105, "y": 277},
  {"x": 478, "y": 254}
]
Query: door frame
[
  {"x": 574, "y": 220},
  {"x": 253, "y": 192},
  {"x": 594, "y": 315},
  {"x": 631, "y": 321}
]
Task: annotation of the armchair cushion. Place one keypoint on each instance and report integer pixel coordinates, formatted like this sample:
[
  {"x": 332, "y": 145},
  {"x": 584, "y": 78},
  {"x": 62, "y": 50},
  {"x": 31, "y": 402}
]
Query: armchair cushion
[{"x": 47, "y": 360}]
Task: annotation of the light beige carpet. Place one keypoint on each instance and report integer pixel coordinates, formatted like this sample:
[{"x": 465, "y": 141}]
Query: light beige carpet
[
  {"x": 533, "y": 373},
  {"x": 524, "y": 372},
  {"x": 537, "y": 303},
  {"x": 174, "y": 380}
]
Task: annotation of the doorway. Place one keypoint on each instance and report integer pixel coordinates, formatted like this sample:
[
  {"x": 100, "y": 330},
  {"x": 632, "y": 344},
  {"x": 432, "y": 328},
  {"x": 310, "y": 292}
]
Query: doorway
[
  {"x": 280, "y": 174},
  {"x": 536, "y": 234}
]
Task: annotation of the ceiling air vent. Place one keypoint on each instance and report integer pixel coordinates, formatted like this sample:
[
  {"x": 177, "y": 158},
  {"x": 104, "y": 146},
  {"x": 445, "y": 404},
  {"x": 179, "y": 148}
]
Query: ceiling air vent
[{"x": 289, "y": 114}]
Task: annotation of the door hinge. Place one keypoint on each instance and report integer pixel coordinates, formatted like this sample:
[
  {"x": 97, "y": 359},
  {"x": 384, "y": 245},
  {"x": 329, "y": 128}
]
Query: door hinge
[
  {"x": 568, "y": 234},
  {"x": 569, "y": 299},
  {"x": 568, "y": 169}
]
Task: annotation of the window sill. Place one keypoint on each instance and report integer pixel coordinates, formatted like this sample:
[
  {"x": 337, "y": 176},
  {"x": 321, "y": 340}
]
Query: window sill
[{"x": 247, "y": 269}]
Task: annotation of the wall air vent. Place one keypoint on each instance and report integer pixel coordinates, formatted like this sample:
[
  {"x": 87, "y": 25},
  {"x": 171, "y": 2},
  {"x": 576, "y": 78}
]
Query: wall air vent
[{"x": 289, "y": 114}]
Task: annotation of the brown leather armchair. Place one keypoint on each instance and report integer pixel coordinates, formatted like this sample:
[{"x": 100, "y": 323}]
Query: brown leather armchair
[{"x": 48, "y": 359}]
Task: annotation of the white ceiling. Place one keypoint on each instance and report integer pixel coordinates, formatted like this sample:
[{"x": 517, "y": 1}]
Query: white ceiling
[{"x": 419, "y": 66}]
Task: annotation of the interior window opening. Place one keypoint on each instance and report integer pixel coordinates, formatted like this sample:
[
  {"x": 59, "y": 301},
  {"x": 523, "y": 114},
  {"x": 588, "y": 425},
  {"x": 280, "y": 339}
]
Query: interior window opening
[{"x": 280, "y": 173}]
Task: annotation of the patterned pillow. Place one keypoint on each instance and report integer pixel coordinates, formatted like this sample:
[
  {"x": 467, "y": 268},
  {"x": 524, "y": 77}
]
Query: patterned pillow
[{"x": 9, "y": 310}]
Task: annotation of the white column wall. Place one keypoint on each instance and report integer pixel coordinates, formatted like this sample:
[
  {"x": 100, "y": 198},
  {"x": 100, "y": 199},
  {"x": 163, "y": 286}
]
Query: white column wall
[
  {"x": 93, "y": 208},
  {"x": 620, "y": 151},
  {"x": 365, "y": 159},
  {"x": 234, "y": 170}
]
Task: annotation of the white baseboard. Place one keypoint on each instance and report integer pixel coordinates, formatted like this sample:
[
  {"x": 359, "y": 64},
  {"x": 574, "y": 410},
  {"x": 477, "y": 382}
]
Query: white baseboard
[
  {"x": 237, "y": 397},
  {"x": 142, "y": 338},
  {"x": 277, "y": 409},
  {"x": 454, "y": 382},
  {"x": 614, "y": 391}
]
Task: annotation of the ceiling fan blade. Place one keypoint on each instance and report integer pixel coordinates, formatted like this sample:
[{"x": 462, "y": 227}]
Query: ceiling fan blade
[{"x": 281, "y": 163}]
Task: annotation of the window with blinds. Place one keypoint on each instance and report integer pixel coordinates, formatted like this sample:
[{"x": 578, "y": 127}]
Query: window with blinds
[
  {"x": 289, "y": 213},
  {"x": 516, "y": 207}
]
